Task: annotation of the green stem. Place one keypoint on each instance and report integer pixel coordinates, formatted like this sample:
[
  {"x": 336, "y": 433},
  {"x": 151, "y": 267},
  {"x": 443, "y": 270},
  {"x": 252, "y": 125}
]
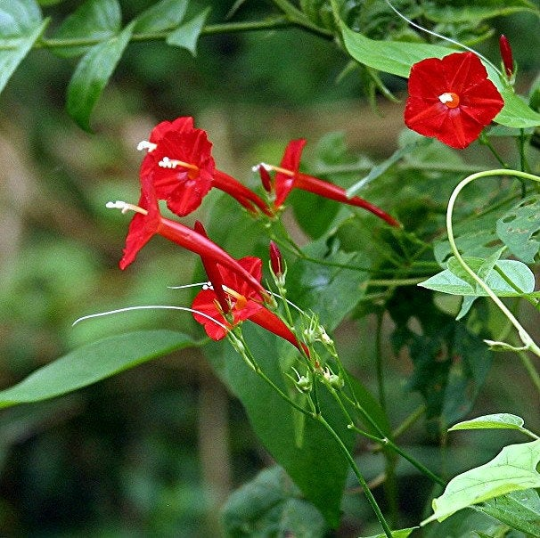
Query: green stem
[
  {"x": 361, "y": 480},
  {"x": 528, "y": 342}
]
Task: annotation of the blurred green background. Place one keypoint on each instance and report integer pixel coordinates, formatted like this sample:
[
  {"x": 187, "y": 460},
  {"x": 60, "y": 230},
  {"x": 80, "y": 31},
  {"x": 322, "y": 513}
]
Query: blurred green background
[{"x": 155, "y": 450}]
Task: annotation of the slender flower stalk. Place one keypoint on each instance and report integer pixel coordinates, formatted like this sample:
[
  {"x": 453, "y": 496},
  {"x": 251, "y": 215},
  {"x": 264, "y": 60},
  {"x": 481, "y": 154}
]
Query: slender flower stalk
[
  {"x": 288, "y": 177},
  {"x": 179, "y": 161},
  {"x": 148, "y": 222}
]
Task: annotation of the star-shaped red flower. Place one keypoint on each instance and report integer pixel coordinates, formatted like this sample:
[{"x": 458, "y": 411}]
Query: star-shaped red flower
[{"x": 451, "y": 99}]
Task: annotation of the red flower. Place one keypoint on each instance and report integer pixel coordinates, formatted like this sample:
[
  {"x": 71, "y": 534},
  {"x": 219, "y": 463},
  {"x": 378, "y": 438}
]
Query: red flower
[
  {"x": 242, "y": 304},
  {"x": 148, "y": 222},
  {"x": 182, "y": 168},
  {"x": 451, "y": 99},
  {"x": 289, "y": 177}
]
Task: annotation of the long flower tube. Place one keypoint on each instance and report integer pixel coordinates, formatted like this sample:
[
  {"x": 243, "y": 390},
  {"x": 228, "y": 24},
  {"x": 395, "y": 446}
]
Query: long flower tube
[
  {"x": 148, "y": 222},
  {"x": 288, "y": 177},
  {"x": 179, "y": 161}
]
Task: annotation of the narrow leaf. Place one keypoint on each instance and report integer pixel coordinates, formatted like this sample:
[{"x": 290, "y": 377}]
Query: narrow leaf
[
  {"x": 497, "y": 421},
  {"x": 188, "y": 34},
  {"x": 161, "y": 16},
  {"x": 95, "y": 20},
  {"x": 92, "y": 363},
  {"x": 11, "y": 58},
  {"x": 91, "y": 76},
  {"x": 513, "y": 469}
]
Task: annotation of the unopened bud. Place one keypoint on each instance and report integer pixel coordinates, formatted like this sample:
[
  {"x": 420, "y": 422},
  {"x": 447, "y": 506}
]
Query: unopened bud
[
  {"x": 266, "y": 179},
  {"x": 276, "y": 260},
  {"x": 333, "y": 380},
  {"x": 506, "y": 55}
]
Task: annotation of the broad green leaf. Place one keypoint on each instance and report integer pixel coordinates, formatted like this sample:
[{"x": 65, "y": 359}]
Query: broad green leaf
[
  {"x": 161, "y": 16},
  {"x": 19, "y": 17},
  {"x": 519, "y": 227},
  {"x": 456, "y": 11},
  {"x": 92, "y": 74},
  {"x": 188, "y": 34},
  {"x": 271, "y": 505},
  {"x": 513, "y": 469},
  {"x": 402, "y": 533},
  {"x": 10, "y": 58},
  {"x": 516, "y": 272},
  {"x": 92, "y": 363},
  {"x": 498, "y": 421},
  {"x": 393, "y": 57},
  {"x": 519, "y": 509},
  {"x": 516, "y": 112},
  {"x": 317, "y": 466},
  {"x": 95, "y": 21}
]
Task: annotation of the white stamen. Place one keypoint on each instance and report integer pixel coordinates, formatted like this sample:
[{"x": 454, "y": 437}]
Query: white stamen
[
  {"x": 267, "y": 167},
  {"x": 145, "y": 144},
  {"x": 446, "y": 98},
  {"x": 125, "y": 207},
  {"x": 167, "y": 163},
  {"x": 185, "y": 286}
]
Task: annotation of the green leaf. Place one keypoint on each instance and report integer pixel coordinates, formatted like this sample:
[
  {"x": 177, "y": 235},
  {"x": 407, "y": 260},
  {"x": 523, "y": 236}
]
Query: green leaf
[
  {"x": 513, "y": 469},
  {"x": 271, "y": 505},
  {"x": 19, "y": 18},
  {"x": 516, "y": 112},
  {"x": 317, "y": 466},
  {"x": 457, "y": 11},
  {"x": 92, "y": 363},
  {"x": 12, "y": 57},
  {"x": 95, "y": 21},
  {"x": 187, "y": 35},
  {"x": 161, "y": 16},
  {"x": 519, "y": 227},
  {"x": 519, "y": 509},
  {"x": 92, "y": 74},
  {"x": 516, "y": 272},
  {"x": 495, "y": 421},
  {"x": 395, "y": 57}
]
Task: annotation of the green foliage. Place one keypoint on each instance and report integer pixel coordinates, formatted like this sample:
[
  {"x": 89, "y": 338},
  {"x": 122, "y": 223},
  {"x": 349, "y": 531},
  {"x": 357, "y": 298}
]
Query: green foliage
[
  {"x": 92, "y": 363},
  {"x": 513, "y": 469},
  {"x": 271, "y": 504}
]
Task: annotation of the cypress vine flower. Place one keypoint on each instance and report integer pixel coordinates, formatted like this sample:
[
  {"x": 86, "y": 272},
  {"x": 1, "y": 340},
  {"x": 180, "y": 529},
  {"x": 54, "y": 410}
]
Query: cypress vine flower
[
  {"x": 451, "y": 99},
  {"x": 148, "y": 222},
  {"x": 289, "y": 177},
  {"x": 242, "y": 303},
  {"x": 179, "y": 161}
]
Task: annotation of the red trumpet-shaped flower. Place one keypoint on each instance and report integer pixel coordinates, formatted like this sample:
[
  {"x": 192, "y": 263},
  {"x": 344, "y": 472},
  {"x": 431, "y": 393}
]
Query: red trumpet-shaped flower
[
  {"x": 148, "y": 222},
  {"x": 289, "y": 177},
  {"x": 180, "y": 163},
  {"x": 451, "y": 99},
  {"x": 241, "y": 303}
]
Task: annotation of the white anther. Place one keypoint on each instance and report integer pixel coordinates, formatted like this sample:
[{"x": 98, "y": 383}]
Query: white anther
[
  {"x": 167, "y": 163},
  {"x": 145, "y": 144},
  {"x": 267, "y": 167},
  {"x": 123, "y": 206},
  {"x": 446, "y": 98}
]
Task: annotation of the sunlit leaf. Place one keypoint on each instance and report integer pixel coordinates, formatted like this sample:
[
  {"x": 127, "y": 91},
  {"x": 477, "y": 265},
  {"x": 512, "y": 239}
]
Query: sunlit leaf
[
  {"x": 519, "y": 227},
  {"x": 188, "y": 34},
  {"x": 497, "y": 421},
  {"x": 95, "y": 21},
  {"x": 92, "y": 75},
  {"x": 163, "y": 15},
  {"x": 271, "y": 501},
  {"x": 92, "y": 363},
  {"x": 513, "y": 469}
]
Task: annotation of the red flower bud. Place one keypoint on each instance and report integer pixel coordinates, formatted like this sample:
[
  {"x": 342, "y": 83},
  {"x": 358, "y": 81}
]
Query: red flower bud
[
  {"x": 506, "y": 55},
  {"x": 276, "y": 260}
]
